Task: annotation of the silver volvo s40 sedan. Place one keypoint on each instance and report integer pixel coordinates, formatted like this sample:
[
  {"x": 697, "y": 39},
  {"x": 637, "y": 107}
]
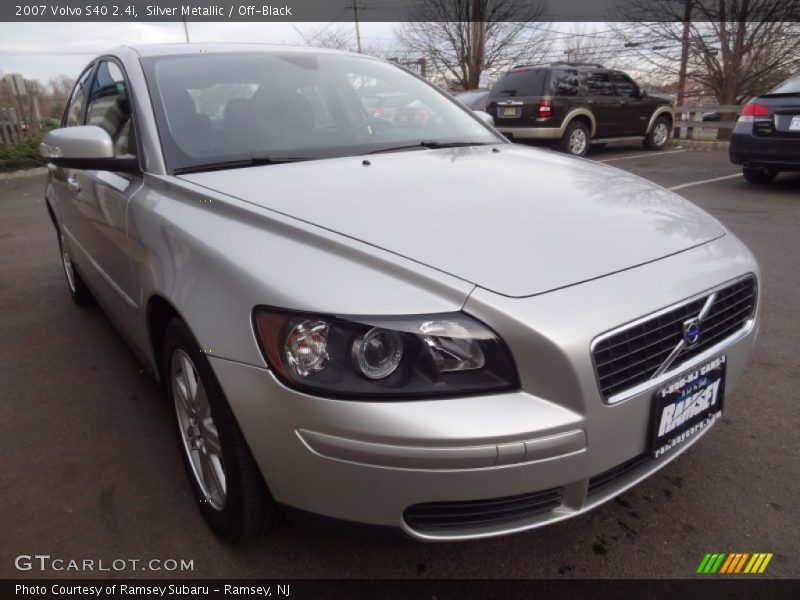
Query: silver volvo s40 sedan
[{"x": 408, "y": 323}]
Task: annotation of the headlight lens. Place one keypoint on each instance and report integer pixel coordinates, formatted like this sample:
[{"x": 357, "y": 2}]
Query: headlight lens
[{"x": 374, "y": 357}]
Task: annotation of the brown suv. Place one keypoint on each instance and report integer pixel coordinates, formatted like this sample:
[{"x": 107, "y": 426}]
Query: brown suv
[{"x": 578, "y": 104}]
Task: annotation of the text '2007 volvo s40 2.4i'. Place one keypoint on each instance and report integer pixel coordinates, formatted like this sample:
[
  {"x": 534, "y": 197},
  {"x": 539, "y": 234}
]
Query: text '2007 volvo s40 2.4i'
[{"x": 414, "y": 325}]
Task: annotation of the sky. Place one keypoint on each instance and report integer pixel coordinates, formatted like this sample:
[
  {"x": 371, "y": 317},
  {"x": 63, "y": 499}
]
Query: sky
[{"x": 44, "y": 50}]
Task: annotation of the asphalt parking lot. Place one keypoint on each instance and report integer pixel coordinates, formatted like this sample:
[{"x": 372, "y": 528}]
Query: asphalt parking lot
[{"x": 91, "y": 467}]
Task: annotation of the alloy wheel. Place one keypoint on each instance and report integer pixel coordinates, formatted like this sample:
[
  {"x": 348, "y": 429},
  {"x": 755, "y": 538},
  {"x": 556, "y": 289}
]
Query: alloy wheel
[
  {"x": 197, "y": 429},
  {"x": 577, "y": 142},
  {"x": 660, "y": 134}
]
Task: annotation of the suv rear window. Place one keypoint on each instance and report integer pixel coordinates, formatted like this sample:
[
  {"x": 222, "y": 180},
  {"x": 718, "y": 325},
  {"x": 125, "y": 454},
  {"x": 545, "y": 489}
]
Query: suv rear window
[
  {"x": 564, "y": 82},
  {"x": 522, "y": 82}
]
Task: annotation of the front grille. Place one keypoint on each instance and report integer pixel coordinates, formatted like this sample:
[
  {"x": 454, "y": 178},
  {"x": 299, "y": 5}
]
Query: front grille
[
  {"x": 633, "y": 355},
  {"x": 444, "y": 516},
  {"x": 606, "y": 478}
]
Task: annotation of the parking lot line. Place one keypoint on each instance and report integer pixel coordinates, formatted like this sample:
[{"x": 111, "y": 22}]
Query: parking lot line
[
  {"x": 605, "y": 160},
  {"x": 702, "y": 181}
]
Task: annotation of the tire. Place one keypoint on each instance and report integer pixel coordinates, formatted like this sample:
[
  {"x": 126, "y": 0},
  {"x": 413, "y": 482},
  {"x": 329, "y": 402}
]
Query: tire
[
  {"x": 575, "y": 140},
  {"x": 225, "y": 480},
  {"x": 759, "y": 175},
  {"x": 658, "y": 136},
  {"x": 78, "y": 291}
]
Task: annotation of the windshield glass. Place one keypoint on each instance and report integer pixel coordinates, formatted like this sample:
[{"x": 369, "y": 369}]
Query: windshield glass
[
  {"x": 790, "y": 86},
  {"x": 215, "y": 108}
]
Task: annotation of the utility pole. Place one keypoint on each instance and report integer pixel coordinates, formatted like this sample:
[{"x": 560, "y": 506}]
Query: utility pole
[
  {"x": 687, "y": 23},
  {"x": 186, "y": 29},
  {"x": 355, "y": 8}
]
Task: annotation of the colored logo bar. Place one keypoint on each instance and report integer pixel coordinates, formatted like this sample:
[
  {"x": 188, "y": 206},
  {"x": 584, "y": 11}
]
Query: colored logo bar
[{"x": 734, "y": 562}]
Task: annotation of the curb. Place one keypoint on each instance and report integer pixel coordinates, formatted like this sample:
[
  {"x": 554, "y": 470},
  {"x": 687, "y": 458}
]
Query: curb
[
  {"x": 700, "y": 145},
  {"x": 23, "y": 173}
]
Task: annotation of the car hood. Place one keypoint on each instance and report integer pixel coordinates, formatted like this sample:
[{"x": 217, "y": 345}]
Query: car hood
[{"x": 515, "y": 220}]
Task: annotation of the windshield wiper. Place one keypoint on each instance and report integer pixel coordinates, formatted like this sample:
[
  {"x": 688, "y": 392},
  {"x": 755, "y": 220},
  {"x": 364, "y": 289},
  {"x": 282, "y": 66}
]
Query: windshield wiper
[
  {"x": 431, "y": 145},
  {"x": 236, "y": 164}
]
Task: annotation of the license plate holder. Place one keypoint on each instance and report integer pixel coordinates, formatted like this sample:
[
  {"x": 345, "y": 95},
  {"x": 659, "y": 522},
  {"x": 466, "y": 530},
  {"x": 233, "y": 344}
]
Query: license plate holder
[
  {"x": 687, "y": 405},
  {"x": 508, "y": 111},
  {"x": 794, "y": 124}
]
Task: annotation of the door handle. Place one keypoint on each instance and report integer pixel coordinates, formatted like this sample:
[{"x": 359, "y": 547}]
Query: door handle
[{"x": 73, "y": 185}]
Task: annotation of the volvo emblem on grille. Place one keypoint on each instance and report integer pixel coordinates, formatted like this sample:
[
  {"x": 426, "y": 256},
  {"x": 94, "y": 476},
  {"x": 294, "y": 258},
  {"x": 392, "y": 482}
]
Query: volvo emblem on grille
[{"x": 691, "y": 332}]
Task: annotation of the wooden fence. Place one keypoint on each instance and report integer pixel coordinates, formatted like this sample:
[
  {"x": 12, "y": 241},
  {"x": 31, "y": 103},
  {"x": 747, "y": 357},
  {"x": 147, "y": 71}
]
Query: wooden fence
[{"x": 689, "y": 123}]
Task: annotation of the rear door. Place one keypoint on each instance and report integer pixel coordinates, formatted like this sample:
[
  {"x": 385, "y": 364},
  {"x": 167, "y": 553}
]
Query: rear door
[
  {"x": 514, "y": 99},
  {"x": 98, "y": 200},
  {"x": 634, "y": 112},
  {"x": 604, "y": 103}
]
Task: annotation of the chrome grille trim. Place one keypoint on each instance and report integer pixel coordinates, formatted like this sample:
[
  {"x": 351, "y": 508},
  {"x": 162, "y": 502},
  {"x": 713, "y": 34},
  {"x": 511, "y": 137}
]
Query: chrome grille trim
[{"x": 701, "y": 306}]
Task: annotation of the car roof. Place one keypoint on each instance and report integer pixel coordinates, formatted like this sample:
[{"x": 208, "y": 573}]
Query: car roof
[{"x": 147, "y": 50}]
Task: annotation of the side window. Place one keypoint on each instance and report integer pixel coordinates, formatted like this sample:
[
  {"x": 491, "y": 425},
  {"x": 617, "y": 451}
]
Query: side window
[
  {"x": 598, "y": 83},
  {"x": 564, "y": 82},
  {"x": 110, "y": 108},
  {"x": 625, "y": 86},
  {"x": 77, "y": 101}
]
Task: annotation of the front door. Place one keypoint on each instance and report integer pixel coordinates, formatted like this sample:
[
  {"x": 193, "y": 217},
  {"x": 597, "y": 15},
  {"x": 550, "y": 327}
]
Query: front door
[
  {"x": 603, "y": 103},
  {"x": 635, "y": 111},
  {"x": 95, "y": 212}
]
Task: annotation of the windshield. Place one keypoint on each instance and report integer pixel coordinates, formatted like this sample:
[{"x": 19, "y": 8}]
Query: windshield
[
  {"x": 214, "y": 108},
  {"x": 790, "y": 86}
]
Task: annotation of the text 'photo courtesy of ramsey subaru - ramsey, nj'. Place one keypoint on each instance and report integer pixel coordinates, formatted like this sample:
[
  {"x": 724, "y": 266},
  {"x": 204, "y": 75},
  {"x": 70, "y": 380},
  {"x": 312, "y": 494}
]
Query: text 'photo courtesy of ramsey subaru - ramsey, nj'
[{"x": 349, "y": 327}]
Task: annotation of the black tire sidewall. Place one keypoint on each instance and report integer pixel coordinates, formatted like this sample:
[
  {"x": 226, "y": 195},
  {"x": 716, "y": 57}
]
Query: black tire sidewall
[
  {"x": 237, "y": 519},
  {"x": 759, "y": 175}
]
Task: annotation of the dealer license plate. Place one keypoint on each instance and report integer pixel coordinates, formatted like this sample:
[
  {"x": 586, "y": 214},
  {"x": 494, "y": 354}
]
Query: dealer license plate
[
  {"x": 795, "y": 123},
  {"x": 687, "y": 405}
]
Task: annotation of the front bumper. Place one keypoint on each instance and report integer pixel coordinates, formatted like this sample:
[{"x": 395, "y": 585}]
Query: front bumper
[{"x": 368, "y": 462}]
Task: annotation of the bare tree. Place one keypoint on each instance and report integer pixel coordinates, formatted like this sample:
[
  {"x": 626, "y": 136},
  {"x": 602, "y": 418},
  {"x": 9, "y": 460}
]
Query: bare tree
[
  {"x": 735, "y": 48},
  {"x": 461, "y": 38},
  {"x": 333, "y": 36}
]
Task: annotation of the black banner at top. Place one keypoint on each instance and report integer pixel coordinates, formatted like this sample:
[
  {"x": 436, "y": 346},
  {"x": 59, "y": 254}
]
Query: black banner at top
[{"x": 396, "y": 10}]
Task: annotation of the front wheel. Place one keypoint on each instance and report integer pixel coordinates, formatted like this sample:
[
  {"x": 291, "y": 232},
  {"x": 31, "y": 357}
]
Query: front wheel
[
  {"x": 225, "y": 479},
  {"x": 758, "y": 175},
  {"x": 657, "y": 137},
  {"x": 575, "y": 140}
]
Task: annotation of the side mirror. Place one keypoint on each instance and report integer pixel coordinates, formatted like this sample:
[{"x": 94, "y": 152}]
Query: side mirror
[
  {"x": 85, "y": 147},
  {"x": 485, "y": 117}
]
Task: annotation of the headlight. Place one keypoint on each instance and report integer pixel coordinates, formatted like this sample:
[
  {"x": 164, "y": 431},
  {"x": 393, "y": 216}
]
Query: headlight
[{"x": 374, "y": 357}]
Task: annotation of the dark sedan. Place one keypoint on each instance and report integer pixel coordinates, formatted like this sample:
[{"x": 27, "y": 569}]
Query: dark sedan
[{"x": 766, "y": 138}]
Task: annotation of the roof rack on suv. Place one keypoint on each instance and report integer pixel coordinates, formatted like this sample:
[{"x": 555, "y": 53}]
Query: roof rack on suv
[{"x": 564, "y": 63}]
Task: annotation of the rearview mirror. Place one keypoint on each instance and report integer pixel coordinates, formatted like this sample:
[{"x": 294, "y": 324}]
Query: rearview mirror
[
  {"x": 85, "y": 147},
  {"x": 485, "y": 117}
]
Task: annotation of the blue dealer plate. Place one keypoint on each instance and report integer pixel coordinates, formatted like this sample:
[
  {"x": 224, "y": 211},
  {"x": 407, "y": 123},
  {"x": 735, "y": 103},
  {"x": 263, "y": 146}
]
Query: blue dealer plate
[{"x": 687, "y": 405}]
